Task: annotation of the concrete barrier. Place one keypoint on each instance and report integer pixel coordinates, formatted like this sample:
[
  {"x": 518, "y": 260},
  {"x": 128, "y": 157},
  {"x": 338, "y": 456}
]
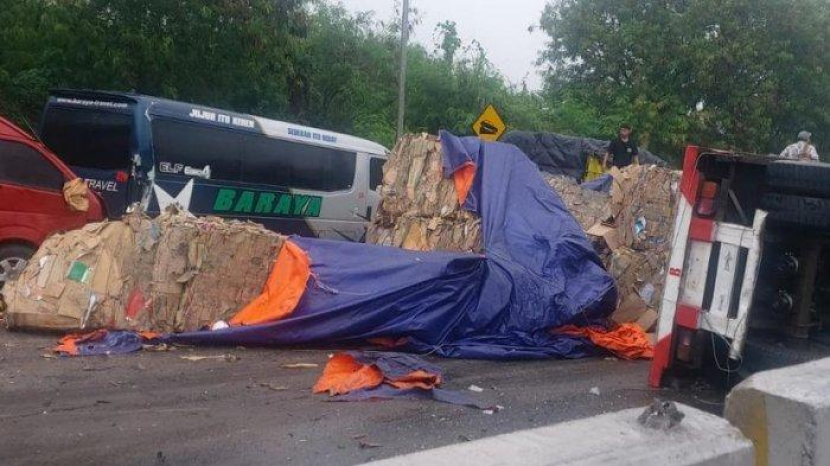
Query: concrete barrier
[
  {"x": 786, "y": 414},
  {"x": 610, "y": 439}
]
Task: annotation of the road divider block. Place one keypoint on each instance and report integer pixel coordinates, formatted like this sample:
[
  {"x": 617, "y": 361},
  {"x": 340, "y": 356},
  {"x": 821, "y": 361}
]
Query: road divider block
[
  {"x": 610, "y": 439},
  {"x": 786, "y": 414}
]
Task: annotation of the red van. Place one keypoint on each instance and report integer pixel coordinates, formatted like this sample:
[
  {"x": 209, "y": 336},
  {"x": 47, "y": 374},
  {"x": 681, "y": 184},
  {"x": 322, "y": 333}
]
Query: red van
[{"x": 32, "y": 205}]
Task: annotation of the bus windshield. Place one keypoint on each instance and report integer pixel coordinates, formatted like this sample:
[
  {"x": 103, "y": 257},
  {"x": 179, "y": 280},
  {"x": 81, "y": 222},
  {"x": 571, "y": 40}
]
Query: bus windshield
[{"x": 89, "y": 138}]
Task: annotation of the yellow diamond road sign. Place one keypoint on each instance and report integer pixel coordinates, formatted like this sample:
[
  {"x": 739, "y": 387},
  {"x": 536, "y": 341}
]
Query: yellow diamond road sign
[{"x": 489, "y": 125}]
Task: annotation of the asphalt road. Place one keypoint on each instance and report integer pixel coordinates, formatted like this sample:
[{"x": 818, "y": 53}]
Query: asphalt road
[{"x": 155, "y": 408}]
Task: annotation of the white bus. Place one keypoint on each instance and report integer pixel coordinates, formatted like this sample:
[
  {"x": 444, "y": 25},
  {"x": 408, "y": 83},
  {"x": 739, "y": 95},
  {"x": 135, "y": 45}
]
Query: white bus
[{"x": 292, "y": 178}]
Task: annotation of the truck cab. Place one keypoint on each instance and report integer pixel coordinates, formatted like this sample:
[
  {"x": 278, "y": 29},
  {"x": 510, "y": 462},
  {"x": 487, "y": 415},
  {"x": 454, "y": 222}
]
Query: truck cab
[{"x": 747, "y": 284}]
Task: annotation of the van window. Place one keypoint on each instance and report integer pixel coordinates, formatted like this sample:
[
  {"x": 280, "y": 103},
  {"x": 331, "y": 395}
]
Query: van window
[
  {"x": 24, "y": 166},
  {"x": 375, "y": 172},
  {"x": 182, "y": 144},
  {"x": 294, "y": 165},
  {"x": 89, "y": 138}
]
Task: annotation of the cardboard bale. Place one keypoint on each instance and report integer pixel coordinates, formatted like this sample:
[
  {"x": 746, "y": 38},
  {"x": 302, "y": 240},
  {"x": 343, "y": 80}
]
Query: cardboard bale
[
  {"x": 227, "y": 266},
  {"x": 170, "y": 274},
  {"x": 419, "y": 208},
  {"x": 431, "y": 233},
  {"x": 74, "y": 281},
  {"x": 413, "y": 181},
  {"x": 587, "y": 206}
]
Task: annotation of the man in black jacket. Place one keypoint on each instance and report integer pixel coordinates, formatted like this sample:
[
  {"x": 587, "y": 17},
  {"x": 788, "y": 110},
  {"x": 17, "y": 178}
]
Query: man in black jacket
[{"x": 623, "y": 150}]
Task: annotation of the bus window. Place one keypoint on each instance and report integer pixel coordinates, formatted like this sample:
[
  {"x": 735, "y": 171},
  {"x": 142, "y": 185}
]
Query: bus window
[
  {"x": 89, "y": 138},
  {"x": 375, "y": 172},
  {"x": 293, "y": 165},
  {"x": 178, "y": 144}
]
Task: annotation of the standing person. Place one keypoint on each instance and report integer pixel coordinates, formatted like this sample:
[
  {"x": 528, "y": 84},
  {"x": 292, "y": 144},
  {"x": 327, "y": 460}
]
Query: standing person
[
  {"x": 802, "y": 150},
  {"x": 623, "y": 150}
]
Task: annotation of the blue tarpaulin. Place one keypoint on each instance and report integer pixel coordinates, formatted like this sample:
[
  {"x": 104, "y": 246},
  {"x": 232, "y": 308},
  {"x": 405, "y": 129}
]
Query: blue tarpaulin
[{"x": 538, "y": 272}]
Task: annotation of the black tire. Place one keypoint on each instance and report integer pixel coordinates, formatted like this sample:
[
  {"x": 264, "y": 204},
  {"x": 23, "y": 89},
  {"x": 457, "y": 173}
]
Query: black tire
[
  {"x": 806, "y": 178},
  {"x": 796, "y": 211},
  {"x": 10, "y": 257}
]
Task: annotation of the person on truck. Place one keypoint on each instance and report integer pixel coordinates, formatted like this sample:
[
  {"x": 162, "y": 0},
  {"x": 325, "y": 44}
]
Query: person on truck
[
  {"x": 623, "y": 150},
  {"x": 802, "y": 150}
]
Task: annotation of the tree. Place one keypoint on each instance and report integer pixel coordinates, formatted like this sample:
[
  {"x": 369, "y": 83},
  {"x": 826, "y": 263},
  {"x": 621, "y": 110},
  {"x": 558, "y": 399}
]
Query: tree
[
  {"x": 237, "y": 54},
  {"x": 307, "y": 61},
  {"x": 743, "y": 74}
]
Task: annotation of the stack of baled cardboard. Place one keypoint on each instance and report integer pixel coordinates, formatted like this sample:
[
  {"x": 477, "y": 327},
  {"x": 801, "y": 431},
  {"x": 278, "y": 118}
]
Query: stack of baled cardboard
[
  {"x": 170, "y": 274},
  {"x": 588, "y": 207},
  {"x": 419, "y": 208},
  {"x": 643, "y": 203},
  {"x": 631, "y": 226}
]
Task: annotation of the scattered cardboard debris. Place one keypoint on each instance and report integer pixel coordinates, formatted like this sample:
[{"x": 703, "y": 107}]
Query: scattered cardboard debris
[
  {"x": 226, "y": 357},
  {"x": 300, "y": 365},
  {"x": 365, "y": 444},
  {"x": 76, "y": 195}
]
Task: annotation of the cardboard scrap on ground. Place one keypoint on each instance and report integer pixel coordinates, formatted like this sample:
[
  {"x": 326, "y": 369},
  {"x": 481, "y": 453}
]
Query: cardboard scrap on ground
[
  {"x": 170, "y": 274},
  {"x": 632, "y": 309}
]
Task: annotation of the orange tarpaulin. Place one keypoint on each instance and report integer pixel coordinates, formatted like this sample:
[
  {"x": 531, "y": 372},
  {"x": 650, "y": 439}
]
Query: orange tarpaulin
[
  {"x": 416, "y": 379},
  {"x": 626, "y": 341},
  {"x": 282, "y": 291},
  {"x": 463, "y": 180},
  {"x": 68, "y": 344},
  {"x": 344, "y": 373}
]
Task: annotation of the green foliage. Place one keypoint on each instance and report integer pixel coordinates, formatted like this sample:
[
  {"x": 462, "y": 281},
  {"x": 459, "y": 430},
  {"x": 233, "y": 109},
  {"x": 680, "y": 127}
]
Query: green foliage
[
  {"x": 302, "y": 60},
  {"x": 745, "y": 74},
  {"x": 237, "y": 54}
]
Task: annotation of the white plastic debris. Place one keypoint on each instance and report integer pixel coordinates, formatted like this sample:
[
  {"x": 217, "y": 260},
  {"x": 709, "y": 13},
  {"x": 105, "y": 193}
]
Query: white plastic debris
[
  {"x": 219, "y": 325},
  {"x": 594, "y": 391},
  {"x": 475, "y": 388}
]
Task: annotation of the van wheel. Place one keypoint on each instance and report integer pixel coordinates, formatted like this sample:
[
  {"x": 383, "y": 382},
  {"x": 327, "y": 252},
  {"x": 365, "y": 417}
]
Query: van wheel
[
  {"x": 806, "y": 178},
  {"x": 796, "y": 211},
  {"x": 13, "y": 259}
]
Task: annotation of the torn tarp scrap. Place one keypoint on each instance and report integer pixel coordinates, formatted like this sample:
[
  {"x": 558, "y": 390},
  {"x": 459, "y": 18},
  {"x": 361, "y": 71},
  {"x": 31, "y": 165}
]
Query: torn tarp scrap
[
  {"x": 387, "y": 392},
  {"x": 100, "y": 342},
  {"x": 344, "y": 374},
  {"x": 626, "y": 341},
  {"x": 373, "y": 375}
]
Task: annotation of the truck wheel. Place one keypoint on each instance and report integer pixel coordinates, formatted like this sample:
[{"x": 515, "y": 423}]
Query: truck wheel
[
  {"x": 805, "y": 178},
  {"x": 13, "y": 259},
  {"x": 797, "y": 211}
]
